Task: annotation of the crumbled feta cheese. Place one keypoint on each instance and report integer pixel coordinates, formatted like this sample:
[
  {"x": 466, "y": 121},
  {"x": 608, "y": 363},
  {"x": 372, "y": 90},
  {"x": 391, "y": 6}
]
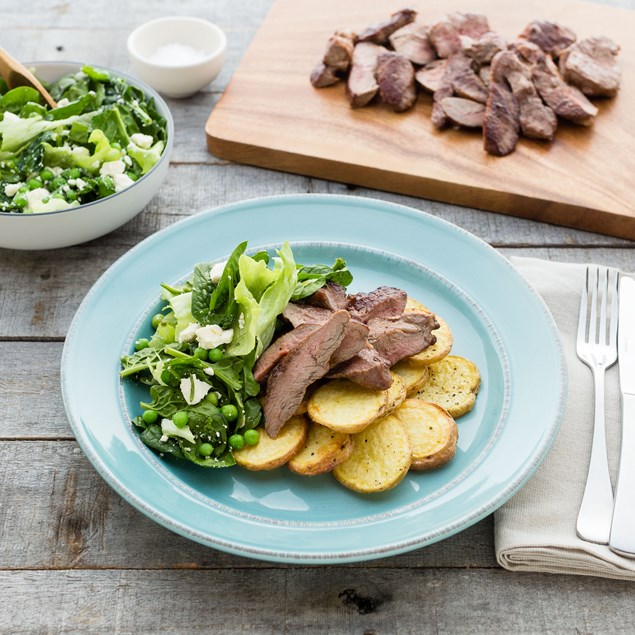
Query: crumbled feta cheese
[
  {"x": 36, "y": 196},
  {"x": 11, "y": 189},
  {"x": 63, "y": 102},
  {"x": 80, "y": 151},
  {"x": 164, "y": 438},
  {"x": 127, "y": 160},
  {"x": 142, "y": 140},
  {"x": 122, "y": 181},
  {"x": 212, "y": 336},
  {"x": 193, "y": 389},
  {"x": 189, "y": 332},
  {"x": 110, "y": 168},
  {"x": 217, "y": 271},
  {"x": 57, "y": 170},
  {"x": 208, "y": 371},
  {"x": 170, "y": 429}
]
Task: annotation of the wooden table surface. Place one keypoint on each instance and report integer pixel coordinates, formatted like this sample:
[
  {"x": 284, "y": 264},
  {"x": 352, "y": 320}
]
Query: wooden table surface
[{"x": 76, "y": 558}]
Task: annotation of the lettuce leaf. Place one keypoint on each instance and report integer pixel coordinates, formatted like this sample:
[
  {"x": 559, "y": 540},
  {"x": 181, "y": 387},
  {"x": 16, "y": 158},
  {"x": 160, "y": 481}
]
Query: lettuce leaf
[{"x": 80, "y": 156}]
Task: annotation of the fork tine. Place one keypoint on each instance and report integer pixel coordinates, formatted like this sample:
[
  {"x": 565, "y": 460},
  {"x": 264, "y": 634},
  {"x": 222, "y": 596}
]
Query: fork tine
[
  {"x": 584, "y": 302},
  {"x": 593, "y": 320},
  {"x": 603, "y": 290},
  {"x": 614, "y": 281}
]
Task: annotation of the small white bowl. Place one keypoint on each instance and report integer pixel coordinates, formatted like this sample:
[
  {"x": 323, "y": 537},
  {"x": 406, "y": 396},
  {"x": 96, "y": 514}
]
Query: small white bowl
[
  {"x": 51, "y": 230},
  {"x": 178, "y": 56}
]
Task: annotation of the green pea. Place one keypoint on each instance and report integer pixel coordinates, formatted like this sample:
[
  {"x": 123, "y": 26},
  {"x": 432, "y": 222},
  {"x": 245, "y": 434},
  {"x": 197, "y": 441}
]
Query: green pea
[
  {"x": 141, "y": 343},
  {"x": 237, "y": 441},
  {"x": 20, "y": 201},
  {"x": 200, "y": 353},
  {"x": 212, "y": 398},
  {"x": 58, "y": 182},
  {"x": 74, "y": 173},
  {"x": 156, "y": 320},
  {"x": 205, "y": 449},
  {"x": 168, "y": 378},
  {"x": 252, "y": 437},
  {"x": 215, "y": 355},
  {"x": 22, "y": 189},
  {"x": 71, "y": 195},
  {"x": 33, "y": 184},
  {"x": 46, "y": 174},
  {"x": 180, "y": 418},
  {"x": 150, "y": 416},
  {"x": 229, "y": 411}
]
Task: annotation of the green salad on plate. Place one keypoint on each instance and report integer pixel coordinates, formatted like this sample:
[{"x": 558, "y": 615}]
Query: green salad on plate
[{"x": 103, "y": 136}]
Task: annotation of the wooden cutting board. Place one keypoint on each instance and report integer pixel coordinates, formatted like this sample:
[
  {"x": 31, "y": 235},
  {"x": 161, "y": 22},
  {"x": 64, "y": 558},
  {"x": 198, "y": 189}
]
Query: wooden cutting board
[{"x": 271, "y": 116}]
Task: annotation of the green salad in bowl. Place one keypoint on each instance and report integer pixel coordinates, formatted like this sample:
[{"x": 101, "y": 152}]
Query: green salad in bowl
[
  {"x": 103, "y": 136},
  {"x": 75, "y": 172}
]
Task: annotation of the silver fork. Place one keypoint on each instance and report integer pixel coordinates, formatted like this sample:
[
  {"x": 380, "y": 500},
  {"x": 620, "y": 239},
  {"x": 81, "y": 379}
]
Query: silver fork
[{"x": 597, "y": 347}]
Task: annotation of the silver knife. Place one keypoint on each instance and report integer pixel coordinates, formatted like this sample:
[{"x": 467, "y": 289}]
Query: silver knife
[{"x": 622, "y": 538}]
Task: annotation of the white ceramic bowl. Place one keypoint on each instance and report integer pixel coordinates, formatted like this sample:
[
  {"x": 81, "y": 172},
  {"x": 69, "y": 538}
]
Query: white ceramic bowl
[
  {"x": 178, "y": 56},
  {"x": 51, "y": 230}
]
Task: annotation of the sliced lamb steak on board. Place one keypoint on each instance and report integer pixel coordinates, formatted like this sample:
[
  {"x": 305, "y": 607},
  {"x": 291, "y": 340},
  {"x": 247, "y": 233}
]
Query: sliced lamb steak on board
[
  {"x": 550, "y": 37},
  {"x": 413, "y": 43},
  {"x": 590, "y": 65},
  {"x": 464, "y": 112},
  {"x": 362, "y": 85},
  {"x": 379, "y": 32},
  {"x": 396, "y": 78}
]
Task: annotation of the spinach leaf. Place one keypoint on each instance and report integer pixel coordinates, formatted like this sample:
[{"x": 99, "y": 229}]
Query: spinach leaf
[
  {"x": 253, "y": 414},
  {"x": 202, "y": 290},
  {"x": 151, "y": 436},
  {"x": 222, "y": 304},
  {"x": 226, "y": 459},
  {"x": 313, "y": 277},
  {"x": 166, "y": 400},
  {"x": 17, "y": 98}
]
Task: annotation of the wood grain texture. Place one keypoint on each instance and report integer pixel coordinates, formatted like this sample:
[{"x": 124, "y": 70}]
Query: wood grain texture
[
  {"x": 271, "y": 116},
  {"x": 329, "y": 601}
]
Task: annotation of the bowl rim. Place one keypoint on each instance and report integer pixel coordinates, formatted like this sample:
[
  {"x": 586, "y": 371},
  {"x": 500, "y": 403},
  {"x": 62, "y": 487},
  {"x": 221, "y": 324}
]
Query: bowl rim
[
  {"x": 217, "y": 52},
  {"x": 148, "y": 90}
]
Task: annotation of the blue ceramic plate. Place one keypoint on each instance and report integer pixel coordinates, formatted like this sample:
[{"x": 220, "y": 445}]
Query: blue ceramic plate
[{"x": 497, "y": 320}]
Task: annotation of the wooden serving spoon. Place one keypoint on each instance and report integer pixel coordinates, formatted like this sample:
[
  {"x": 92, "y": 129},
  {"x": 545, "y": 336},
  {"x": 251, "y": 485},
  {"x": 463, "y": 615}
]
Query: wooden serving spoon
[{"x": 16, "y": 74}]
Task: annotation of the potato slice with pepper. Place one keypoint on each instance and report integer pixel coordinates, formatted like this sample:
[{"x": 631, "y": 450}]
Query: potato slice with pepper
[
  {"x": 322, "y": 451},
  {"x": 433, "y": 433},
  {"x": 269, "y": 453},
  {"x": 442, "y": 347},
  {"x": 381, "y": 458},
  {"x": 454, "y": 383},
  {"x": 413, "y": 375},
  {"x": 345, "y": 406}
]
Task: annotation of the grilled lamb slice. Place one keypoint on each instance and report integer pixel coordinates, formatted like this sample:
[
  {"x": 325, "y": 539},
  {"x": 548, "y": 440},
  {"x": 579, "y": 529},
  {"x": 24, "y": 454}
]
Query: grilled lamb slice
[
  {"x": 445, "y": 38},
  {"x": 331, "y": 296},
  {"x": 444, "y": 91},
  {"x": 485, "y": 73},
  {"x": 565, "y": 100},
  {"x": 339, "y": 50},
  {"x": 299, "y": 314},
  {"x": 323, "y": 76},
  {"x": 501, "y": 124},
  {"x": 379, "y": 32},
  {"x": 430, "y": 76},
  {"x": 550, "y": 37},
  {"x": 408, "y": 335},
  {"x": 464, "y": 112},
  {"x": 396, "y": 79},
  {"x": 465, "y": 82},
  {"x": 279, "y": 348},
  {"x": 413, "y": 43},
  {"x": 383, "y": 302},
  {"x": 536, "y": 119},
  {"x": 367, "y": 369},
  {"x": 354, "y": 340},
  {"x": 483, "y": 49},
  {"x": 590, "y": 65},
  {"x": 305, "y": 364},
  {"x": 362, "y": 85},
  {"x": 473, "y": 25}
]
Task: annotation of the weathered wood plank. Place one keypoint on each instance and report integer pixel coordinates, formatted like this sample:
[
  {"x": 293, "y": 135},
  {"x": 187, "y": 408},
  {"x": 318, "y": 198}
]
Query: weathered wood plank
[
  {"x": 68, "y": 517},
  {"x": 318, "y": 600}
]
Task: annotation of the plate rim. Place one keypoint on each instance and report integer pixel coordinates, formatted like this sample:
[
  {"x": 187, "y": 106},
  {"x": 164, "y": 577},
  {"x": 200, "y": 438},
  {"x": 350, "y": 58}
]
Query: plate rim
[{"x": 321, "y": 557}]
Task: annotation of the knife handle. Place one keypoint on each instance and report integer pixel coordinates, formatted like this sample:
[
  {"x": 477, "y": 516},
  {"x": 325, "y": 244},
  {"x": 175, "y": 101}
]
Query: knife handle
[{"x": 622, "y": 538}]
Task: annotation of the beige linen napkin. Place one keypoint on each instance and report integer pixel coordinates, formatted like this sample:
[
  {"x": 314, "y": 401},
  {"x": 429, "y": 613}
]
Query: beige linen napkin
[{"x": 535, "y": 529}]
